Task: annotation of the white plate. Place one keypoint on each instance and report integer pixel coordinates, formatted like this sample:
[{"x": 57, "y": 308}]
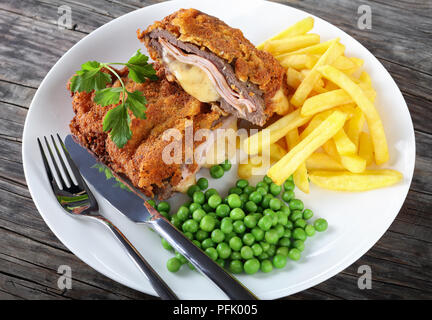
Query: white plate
[{"x": 356, "y": 220}]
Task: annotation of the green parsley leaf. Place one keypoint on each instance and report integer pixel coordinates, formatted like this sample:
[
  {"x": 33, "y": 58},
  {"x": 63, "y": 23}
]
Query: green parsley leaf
[
  {"x": 117, "y": 122},
  {"x": 90, "y": 78},
  {"x": 139, "y": 69},
  {"x": 136, "y": 102},
  {"x": 108, "y": 96}
]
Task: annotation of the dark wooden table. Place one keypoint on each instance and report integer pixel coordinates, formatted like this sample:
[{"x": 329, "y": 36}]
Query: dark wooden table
[{"x": 31, "y": 42}]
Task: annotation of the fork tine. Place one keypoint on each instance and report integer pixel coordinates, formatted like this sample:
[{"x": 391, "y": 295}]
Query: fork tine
[
  {"x": 56, "y": 168},
  {"x": 45, "y": 162},
  {"x": 66, "y": 171},
  {"x": 72, "y": 165}
]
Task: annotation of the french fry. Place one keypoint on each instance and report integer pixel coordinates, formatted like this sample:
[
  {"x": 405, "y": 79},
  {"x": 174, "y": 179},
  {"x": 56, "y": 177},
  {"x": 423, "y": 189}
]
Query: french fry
[
  {"x": 277, "y": 152},
  {"x": 343, "y": 63},
  {"x": 365, "y": 78},
  {"x": 343, "y": 144},
  {"x": 315, "y": 122},
  {"x": 294, "y": 78},
  {"x": 277, "y": 47},
  {"x": 254, "y": 144},
  {"x": 300, "y": 175},
  {"x": 348, "y": 181},
  {"x": 365, "y": 148},
  {"x": 299, "y": 28},
  {"x": 352, "y": 162},
  {"x": 282, "y": 169},
  {"x": 322, "y": 161},
  {"x": 355, "y": 126},
  {"x": 319, "y": 48},
  {"x": 280, "y": 103},
  {"x": 298, "y": 61},
  {"x": 313, "y": 76},
  {"x": 330, "y": 99},
  {"x": 372, "y": 117}
]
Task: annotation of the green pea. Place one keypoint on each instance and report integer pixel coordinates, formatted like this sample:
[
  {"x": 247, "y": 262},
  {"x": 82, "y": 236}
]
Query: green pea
[
  {"x": 229, "y": 236},
  {"x": 239, "y": 227},
  {"x": 152, "y": 203},
  {"x": 320, "y": 225},
  {"x": 166, "y": 244},
  {"x": 255, "y": 197},
  {"x": 265, "y": 223},
  {"x": 198, "y": 214},
  {"x": 223, "y": 250},
  {"x": 163, "y": 206},
  {"x": 289, "y": 225},
  {"x": 202, "y": 183},
  {"x": 189, "y": 235},
  {"x": 216, "y": 172},
  {"x": 280, "y": 230},
  {"x": 283, "y": 251},
  {"x": 248, "y": 190},
  {"x": 207, "y": 243},
  {"x": 235, "y": 243},
  {"x": 251, "y": 266},
  {"x": 234, "y": 201},
  {"x": 226, "y": 225},
  {"x": 257, "y": 215},
  {"x": 263, "y": 256},
  {"x": 236, "y": 266},
  {"x": 287, "y": 196},
  {"x": 242, "y": 183},
  {"x": 258, "y": 233},
  {"x": 271, "y": 236},
  {"x": 275, "y": 189},
  {"x": 298, "y": 244},
  {"x": 173, "y": 265},
  {"x": 246, "y": 252},
  {"x": 176, "y": 222},
  {"x": 285, "y": 209},
  {"x": 197, "y": 243},
  {"x": 221, "y": 262},
  {"x": 267, "y": 180},
  {"x": 295, "y": 215},
  {"x": 299, "y": 234},
  {"x": 296, "y": 204},
  {"x": 217, "y": 236},
  {"x": 180, "y": 257},
  {"x": 251, "y": 206},
  {"x": 282, "y": 218},
  {"x": 265, "y": 246},
  {"x": 226, "y": 165},
  {"x": 164, "y": 214},
  {"x": 190, "y": 225},
  {"x": 310, "y": 230},
  {"x": 275, "y": 204},
  {"x": 289, "y": 185},
  {"x": 271, "y": 250},
  {"x": 192, "y": 189},
  {"x": 248, "y": 239},
  {"x": 266, "y": 266},
  {"x": 208, "y": 223},
  {"x": 279, "y": 261},
  {"x": 262, "y": 191},
  {"x": 294, "y": 254},
  {"x": 264, "y": 185},
  {"x": 199, "y": 197},
  {"x": 223, "y": 210},
  {"x": 237, "y": 214},
  {"x": 183, "y": 213},
  {"x": 212, "y": 253},
  {"x": 235, "y": 255},
  {"x": 194, "y": 206},
  {"x": 214, "y": 201},
  {"x": 307, "y": 214},
  {"x": 284, "y": 242},
  {"x": 244, "y": 198},
  {"x": 201, "y": 235},
  {"x": 250, "y": 221},
  {"x": 235, "y": 190},
  {"x": 301, "y": 223},
  {"x": 191, "y": 266},
  {"x": 287, "y": 233},
  {"x": 257, "y": 249}
]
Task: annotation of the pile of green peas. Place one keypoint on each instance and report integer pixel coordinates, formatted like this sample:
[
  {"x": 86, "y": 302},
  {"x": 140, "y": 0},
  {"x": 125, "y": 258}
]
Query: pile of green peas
[{"x": 253, "y": 228}]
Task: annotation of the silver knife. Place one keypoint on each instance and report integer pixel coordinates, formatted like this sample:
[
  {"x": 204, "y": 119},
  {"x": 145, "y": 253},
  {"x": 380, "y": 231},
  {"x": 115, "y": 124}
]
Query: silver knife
[{"x": 132, "y": 204}]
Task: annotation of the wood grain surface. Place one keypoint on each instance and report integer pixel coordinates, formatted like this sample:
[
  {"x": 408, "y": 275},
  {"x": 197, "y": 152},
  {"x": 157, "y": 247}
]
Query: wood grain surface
[{"x": 31, "y": 42}]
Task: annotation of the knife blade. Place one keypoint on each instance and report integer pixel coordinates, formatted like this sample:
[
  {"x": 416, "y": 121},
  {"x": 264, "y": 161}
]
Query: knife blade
[{"x": 131, "y": 203}]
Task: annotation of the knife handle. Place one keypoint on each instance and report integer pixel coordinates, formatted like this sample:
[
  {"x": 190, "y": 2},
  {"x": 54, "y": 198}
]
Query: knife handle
[
  {"x": 161, "y": 288},
  {"x": 227, "y": 283}
]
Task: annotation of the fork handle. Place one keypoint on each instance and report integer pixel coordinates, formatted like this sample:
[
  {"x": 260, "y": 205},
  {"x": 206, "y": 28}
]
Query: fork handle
[
  {"x": 161, "y": 288},
  {"x": 227, "y": 283}
]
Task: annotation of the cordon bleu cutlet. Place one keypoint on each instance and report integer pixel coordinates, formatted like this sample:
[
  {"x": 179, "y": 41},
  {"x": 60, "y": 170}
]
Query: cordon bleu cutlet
[
  {"x": 140, "y": 160},
  {"x": 216, "y": 63}
]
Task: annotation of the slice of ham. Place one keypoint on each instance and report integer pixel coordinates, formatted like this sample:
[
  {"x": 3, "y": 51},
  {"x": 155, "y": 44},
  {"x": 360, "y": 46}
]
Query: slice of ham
[{"x": 218, "y": 80}]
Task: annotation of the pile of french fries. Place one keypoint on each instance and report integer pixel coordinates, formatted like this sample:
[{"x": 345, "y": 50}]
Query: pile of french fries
[{"x": 331, "y": 133}]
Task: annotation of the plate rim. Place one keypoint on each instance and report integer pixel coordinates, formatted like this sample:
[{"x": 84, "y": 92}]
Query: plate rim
[{"x": 324, "y": 275}]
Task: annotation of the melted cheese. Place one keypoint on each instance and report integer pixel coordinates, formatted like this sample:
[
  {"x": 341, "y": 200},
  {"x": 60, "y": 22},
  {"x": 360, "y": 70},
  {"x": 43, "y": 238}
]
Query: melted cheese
[{"x": 193, "y": 80}]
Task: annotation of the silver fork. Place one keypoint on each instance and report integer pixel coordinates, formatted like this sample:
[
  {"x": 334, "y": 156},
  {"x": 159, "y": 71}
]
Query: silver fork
[{"x": 78, "y": 201}]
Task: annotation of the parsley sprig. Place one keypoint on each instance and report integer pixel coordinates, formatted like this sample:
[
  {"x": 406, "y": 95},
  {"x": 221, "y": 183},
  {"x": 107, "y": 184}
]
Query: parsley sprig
[{"x": 117, "y": 120}]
